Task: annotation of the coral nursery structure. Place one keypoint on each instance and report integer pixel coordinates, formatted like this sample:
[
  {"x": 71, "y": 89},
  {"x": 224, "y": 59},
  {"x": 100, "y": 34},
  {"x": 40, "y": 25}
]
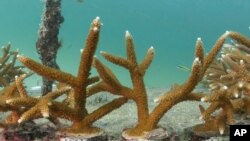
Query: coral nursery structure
[
  {"x": 47, "y": 44},
  {"x": 231, "y": 97}
]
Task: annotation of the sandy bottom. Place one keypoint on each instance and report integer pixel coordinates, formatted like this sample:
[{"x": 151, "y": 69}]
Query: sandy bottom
[{"x": 181, "y": 116}]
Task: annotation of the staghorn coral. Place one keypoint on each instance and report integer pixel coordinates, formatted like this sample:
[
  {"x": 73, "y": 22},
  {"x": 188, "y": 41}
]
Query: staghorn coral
[
  {"x": 8, "y": 69},
  {"x": 7, "y": 93},
  {"x": 148, "y": 121},
  {"x": 74, "y": 109},
  {"x": 35, "y": 107},
  {"x": 228, "y": 80},
  {"x": 78, "y": 88}
]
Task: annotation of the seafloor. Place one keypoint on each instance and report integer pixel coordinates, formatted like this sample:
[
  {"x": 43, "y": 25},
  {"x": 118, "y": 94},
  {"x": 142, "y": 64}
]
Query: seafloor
[{"x": 179, "y": 118}]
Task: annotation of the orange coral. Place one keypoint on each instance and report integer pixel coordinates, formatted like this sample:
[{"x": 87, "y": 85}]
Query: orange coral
[
  {"x": 148, "y": 121},
  {"x": 8, "y": 70},
  {"x": 74, "y": 106},
  {"x": 78, "y": 88},
  {"x": 228, "y": 79}
]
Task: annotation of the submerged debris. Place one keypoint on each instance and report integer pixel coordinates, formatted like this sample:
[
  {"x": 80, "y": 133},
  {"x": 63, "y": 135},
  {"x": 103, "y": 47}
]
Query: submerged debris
[{"x": 29, "y": 131}]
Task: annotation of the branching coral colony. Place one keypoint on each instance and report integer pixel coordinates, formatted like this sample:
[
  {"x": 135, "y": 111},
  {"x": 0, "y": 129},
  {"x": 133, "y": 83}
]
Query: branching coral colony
[
  {"x": 74, "y": 109},
  {"x": 229, "y": 82},
  {"x": 78, "y": 88},
  {"x": 8, "y": 71},
  {"x": 148, "y": 121}
]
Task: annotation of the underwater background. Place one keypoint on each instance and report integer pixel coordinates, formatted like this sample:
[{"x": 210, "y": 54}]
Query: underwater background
[{"x": 171, "y": 26}]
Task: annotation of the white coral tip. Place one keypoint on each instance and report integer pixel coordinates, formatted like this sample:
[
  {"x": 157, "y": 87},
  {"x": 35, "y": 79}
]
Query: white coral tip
[
  {"x": 210, "y": 74},
  {"x": 241, "y": 62},
  {"x": 201, "y": 118},
  {"x": 156, "y": 100},
  {"x": 49, "y": 103},
  {"x": 199, "y": 39},
  {"x": 196, "y": 59},
  {"x": 81, "y": 50},
  {"x": 103, "y": 52},
  {"x": 236, "y": 95},
  {"x": 203, "y": 99},
  {"x": 8, "y": 101},
  {"x": 127, "y": 34},
  {"x": 97, "y": 18},
  {"x": 227, "y": 33},
  {"x": 20, "y": 120},
  {"x": 240, "y": 84},
  {"x": 210, "y": 85},
  {"x": 225, "y": 87},
  {"x": 151, "y": 49},
  {"x": 45, "y": 114},
  {"x": 18, "y": 55},
  {"x": 221, "y": 130},
  {"x": 228, "y": 71},
  {"x": 95, "y": 29}
]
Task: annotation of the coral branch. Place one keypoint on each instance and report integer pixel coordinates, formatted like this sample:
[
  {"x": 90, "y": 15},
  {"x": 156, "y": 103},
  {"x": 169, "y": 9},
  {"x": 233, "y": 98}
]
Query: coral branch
[
  {"x": 147, "y": 60},
  {"x": 104, "y": 110},
  {"x": 48, "y": 72},
  {"x": 131, "y": 56},
  {"x": 199, "y": 51},
  {"x": 106, "y": 74},
  {"x": 215, "y": 50},
  {"x": 117, "y": 60},
  {"x": 240, "y": 38}
]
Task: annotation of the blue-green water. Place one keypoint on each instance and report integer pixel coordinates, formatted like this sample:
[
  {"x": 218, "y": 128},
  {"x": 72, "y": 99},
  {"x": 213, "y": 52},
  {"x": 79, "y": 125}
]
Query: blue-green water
[{"x": 171, "y": 26}]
